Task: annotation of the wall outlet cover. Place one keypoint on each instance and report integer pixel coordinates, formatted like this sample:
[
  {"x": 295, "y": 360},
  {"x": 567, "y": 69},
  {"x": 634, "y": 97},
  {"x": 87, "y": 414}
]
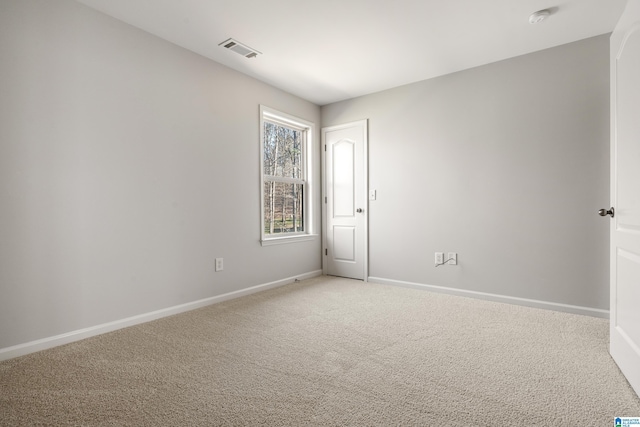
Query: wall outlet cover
[{"x": 453, "y": 258}]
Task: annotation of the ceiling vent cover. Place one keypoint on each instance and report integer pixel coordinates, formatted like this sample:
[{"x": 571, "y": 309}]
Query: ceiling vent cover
[{"x": 240, "y": 48}]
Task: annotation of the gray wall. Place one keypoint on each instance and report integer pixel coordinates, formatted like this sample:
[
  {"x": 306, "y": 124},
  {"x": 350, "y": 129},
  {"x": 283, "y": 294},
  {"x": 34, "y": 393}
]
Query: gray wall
[
  {"x": 505, "y": 164},
  {"x": 127, "y": 165}
]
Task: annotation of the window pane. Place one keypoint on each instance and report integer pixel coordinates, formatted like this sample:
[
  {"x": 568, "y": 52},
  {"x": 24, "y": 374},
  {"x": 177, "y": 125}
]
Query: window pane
[
  {"x": 282, "y": 151},
  {"x": 283, "y": 208}
]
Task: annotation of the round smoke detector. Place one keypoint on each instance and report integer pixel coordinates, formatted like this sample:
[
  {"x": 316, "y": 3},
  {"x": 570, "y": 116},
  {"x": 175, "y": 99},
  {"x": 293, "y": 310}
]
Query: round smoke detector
[{"x": 539, "y": 16}]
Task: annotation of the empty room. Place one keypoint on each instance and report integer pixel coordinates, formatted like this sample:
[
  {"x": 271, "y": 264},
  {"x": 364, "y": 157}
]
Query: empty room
[{"x": 291, "y": 213}]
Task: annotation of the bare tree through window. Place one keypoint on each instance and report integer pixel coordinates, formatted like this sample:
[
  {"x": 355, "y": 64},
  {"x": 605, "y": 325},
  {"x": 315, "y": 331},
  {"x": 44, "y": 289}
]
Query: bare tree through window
[{"x": 283, "y": 168}]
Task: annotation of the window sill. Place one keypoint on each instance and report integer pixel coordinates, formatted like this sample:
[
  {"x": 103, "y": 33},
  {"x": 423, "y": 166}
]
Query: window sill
[{"x": 288, "y": 239}]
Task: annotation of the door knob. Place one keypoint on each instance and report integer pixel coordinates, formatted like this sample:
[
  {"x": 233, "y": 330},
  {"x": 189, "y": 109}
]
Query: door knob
[
  {"x": 604, "y": 212},
  {"x": 359, "y": 210}
]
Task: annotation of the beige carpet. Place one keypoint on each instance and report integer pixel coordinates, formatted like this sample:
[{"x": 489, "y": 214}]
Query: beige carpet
[{"x": 330, "y": 352}]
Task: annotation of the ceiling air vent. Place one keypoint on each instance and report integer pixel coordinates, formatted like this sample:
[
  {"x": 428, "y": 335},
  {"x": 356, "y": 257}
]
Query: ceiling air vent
[{"x": 240, "y": 48}]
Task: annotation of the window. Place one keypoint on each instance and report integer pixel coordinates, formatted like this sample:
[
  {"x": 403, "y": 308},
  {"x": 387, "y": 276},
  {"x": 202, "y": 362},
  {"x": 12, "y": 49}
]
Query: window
[{"x": 285, "y": 169}]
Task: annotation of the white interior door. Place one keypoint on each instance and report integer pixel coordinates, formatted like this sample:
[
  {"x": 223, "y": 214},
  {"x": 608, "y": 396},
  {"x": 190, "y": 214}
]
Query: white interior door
[
  {"x": 625, "y": 194},
  {"x": 345, "y": 172}
]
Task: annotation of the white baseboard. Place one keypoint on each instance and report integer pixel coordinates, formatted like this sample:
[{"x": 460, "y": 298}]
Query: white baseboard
[
  {"x": 45, "y": 343},
  {"x": 575, "y": 309}
]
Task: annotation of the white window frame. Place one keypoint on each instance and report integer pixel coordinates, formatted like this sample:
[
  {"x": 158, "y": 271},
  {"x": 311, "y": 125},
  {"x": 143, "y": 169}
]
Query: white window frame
[{"x": 307, "y": 128}]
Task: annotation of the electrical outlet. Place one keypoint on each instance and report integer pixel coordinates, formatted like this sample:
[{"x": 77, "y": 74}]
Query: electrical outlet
[
  {"x": 439, "y": 258},
  {"x": 453, "y": 258},
  {"x": 219, "y": 264},
  {"x": 372, "y": 194}
]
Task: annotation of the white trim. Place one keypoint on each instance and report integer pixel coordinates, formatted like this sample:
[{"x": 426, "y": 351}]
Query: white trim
[
  {"x": 284, "y": 119},
  {"x": 323, "y": 198},
  {"x": 567, "y": 308},
  {"x": 365, "y": 171},
  {"x": 308, "y": 129},
  {"x": 281, "y": 240},
  {"x": 80, "y": 334}
]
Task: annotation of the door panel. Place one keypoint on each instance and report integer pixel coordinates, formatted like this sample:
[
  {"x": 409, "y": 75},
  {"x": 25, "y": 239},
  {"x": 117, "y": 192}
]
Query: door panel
[
  {"x": 628, "y": 312},
  {"x": 628, "y": 128},
  {"x": 345, "y": 200},
  {"x": 625, "y": 194},
  {"x": 344, "y": 243},
  {"x": 343, "y": 182}
]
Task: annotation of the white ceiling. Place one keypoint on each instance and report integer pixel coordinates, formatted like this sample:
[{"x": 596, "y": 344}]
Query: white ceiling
[{"x": 330, "y": 50}]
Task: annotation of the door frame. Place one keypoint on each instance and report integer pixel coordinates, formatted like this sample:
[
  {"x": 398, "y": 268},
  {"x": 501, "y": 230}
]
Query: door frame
[{"x": 364, "y": 123}]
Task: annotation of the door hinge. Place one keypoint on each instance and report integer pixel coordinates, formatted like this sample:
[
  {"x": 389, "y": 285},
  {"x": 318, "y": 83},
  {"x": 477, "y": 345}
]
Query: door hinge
[
  {"x": 325, "y": 199},
  {"x": 326, "y": 251},
  {"x": 325, "y": 147}
]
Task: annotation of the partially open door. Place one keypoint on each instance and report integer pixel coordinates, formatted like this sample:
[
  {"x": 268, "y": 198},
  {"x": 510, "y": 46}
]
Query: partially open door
[{"x": 625, "y": 194}]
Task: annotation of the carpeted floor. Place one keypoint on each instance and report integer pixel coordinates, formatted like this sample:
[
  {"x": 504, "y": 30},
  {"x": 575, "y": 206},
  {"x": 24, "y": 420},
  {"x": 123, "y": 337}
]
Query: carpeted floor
[{"x": 329, "y": 352}]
